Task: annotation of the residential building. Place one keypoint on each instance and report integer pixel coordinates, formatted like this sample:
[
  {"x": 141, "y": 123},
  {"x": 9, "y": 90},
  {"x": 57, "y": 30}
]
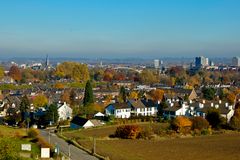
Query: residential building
[{"x": 64, "y": 111}]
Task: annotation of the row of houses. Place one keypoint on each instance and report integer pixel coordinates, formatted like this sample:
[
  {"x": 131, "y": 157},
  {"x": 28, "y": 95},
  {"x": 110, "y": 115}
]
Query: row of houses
[{"x": 176, "y": 107}]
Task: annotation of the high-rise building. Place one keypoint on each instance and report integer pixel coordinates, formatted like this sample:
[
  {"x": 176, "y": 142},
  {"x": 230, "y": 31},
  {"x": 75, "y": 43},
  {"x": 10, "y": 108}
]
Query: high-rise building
[
  {"x": 47, "y": 62},
  {"x": 156, "y": 63},
  {"x": 236, "y": 61},
  {"x": 201, "y": 62}
]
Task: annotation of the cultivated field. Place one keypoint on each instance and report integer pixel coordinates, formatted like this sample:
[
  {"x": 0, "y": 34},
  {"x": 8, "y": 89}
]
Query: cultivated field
[{"x": 215, "y": 147}]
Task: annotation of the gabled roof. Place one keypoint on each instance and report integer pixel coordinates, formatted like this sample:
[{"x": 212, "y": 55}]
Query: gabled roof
[
  {"x": 149, "y": 103},
  {"x": 137, "y": 104},
  {"x": 79, "y": 120},
  {"x": 119, "y": 105},
  {"x": 173, "y": 108}
]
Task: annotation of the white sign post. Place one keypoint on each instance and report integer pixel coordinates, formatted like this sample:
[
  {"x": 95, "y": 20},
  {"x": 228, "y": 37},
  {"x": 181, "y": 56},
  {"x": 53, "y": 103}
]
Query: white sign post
[
  {"x": 26, "y": 147},
  {"x": 45, "y": 152}
]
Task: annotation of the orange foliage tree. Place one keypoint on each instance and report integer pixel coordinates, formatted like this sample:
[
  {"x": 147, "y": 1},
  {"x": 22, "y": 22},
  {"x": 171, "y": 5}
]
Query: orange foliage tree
[
  {"x": 15, "y": 73},
  {"x": 157, "y": 95},
  {"x": 181, "y": 124}
]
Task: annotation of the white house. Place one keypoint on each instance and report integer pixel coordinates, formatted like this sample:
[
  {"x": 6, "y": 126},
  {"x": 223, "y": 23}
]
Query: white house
[
  {"x": 79, "y": 122},
  {"x": 118, "y": 110},
  {"x": 143, "y": 107},
  {"x": 176, "y": 109},
  {"x": 64, "y": 112}
]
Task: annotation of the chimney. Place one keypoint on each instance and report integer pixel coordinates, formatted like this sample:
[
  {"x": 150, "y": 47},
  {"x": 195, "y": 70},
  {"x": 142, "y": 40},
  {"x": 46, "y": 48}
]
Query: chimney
[
  {"x": 220, "y": 101},
  {"x": 226, "y": 104},
  {"x": 211, "y": 104}
]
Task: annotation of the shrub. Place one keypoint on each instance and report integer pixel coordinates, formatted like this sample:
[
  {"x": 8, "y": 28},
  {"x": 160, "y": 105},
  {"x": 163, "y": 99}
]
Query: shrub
[
  {"x": 214, "y": 118},
  {"x": 146, "y": 133},
  {"x": 42, "y": 143},
  {"x": 8, "y": 149},
  {"x": 181, "y": 124},
  {"x": 199, "y": 123},
  {"x": 128, "y": 131},
  {"x": 33, "y": 133}
]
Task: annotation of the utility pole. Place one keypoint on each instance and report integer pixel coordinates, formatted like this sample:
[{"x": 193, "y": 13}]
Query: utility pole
[
  {"x": 49, "y": 136},
  {"x": 69, "y": 151},
  {"x": 94, "y": 145}
]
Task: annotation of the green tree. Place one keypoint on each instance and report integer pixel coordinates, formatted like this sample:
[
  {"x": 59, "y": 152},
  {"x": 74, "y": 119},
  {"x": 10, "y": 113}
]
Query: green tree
[
  {"x": 24, "y": 106},
  {"x": 208, "y": 93},
  {"x": 88, "y": 94},
  {"x": 52, "y": 113},
  {"x": 122, "y": 94}
]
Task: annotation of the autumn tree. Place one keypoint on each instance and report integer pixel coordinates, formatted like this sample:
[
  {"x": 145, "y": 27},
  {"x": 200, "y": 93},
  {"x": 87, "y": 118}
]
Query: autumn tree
[
  {"x": 133, "y": 95},
  {"x": 148, "y": 77},
  {"x": 59, "y": 86},
  {"x": 88, "y": 94},
  {"x": 231, "y": 98},
  {"x": 65, "y": 97},
  {"x": 235, "y": 120},
  {"x": 73, "y": 70},
  {"x": 1, "y": 72},
  {"x": 157, "y": 95},
  {"x": 181, "y": 124},
  {"x": 15, "y": 73},
  {"x": 40, "y": 101}
]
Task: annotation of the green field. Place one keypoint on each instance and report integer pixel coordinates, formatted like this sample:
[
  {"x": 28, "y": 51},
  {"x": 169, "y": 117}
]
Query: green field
[{"x": 212, "y": 147}]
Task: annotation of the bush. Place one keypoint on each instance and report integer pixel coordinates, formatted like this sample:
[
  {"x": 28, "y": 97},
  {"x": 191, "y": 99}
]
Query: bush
[
  {"x": 181, "y": 124},
  {"x": 128, "y": 131},
  {"x": 146, "y": 133},
  {"x": 33, "y": 133},
  {"x": 199, "y": 123},
  {"x": 42, "y": 143},
  {"x": 214, "y": 118},
  {"x": 8, "y": 149}
]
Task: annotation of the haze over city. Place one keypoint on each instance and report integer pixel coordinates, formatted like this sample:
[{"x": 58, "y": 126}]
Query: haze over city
[{"x": 119, "y": 29}]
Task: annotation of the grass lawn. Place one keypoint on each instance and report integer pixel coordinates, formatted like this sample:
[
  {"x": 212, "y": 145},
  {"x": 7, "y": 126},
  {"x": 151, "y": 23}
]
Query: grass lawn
[
  {"x": 213, "y": 147},
  {"x": 16, "y": 135}
]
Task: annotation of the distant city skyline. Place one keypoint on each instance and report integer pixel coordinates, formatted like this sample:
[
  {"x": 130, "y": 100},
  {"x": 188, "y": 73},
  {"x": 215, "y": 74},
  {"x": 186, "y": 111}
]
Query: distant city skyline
[{"x": 120, "y": 28}]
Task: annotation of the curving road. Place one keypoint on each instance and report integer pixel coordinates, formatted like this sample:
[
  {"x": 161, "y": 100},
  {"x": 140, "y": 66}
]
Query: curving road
[{"x": 75, "y": 153}]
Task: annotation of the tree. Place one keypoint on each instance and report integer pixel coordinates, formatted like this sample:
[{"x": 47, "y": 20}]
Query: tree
[
  {"x": 1, "y": 72},
  {"x": 52, "y": 113},
  {"x": 133, "y": 95},
  {"x": 162, "y": 106},
  {"x": 88, "y": 94},
  {"x": 15, "y": 73},
  {"x": 40, "y": 101},
  {"x": 181, "y": 124},
  {"x": 24, "y": 106},
  {"x": 214, "y": 118},
  {"x": 231, "y": 98},
  {"x": 235, "y": 120},
  {"x": 80, "y": 72},
  {"x": 208, "y": 93},
  {"x": 157, "y": 95},
  {"x": 122, "y": 94},
  {"x": 72, "y": 97},
  {"x": 199, "y": 123},
  {"x": 65, "y": 97},
  {"x": 148, "y": 77}
]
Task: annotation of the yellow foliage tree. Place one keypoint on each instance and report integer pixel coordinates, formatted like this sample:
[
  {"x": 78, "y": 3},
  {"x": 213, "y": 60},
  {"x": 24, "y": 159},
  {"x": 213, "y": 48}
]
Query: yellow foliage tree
[
  {"x": 181, "y": 124},
  {"x": 40, "y": 101},
  {"x": 133, "y": 95}
]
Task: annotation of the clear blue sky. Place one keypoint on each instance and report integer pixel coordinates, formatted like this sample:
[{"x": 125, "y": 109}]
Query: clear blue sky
[{"x": 119, "y": 28}]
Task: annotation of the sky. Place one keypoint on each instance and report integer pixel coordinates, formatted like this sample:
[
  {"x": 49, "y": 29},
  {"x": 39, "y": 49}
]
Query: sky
[{"x": 119, "y": 28}]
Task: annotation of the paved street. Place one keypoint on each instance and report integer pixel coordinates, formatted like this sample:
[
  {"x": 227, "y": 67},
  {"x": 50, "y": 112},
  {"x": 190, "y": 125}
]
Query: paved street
[{"x": 76, "y": 153}]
